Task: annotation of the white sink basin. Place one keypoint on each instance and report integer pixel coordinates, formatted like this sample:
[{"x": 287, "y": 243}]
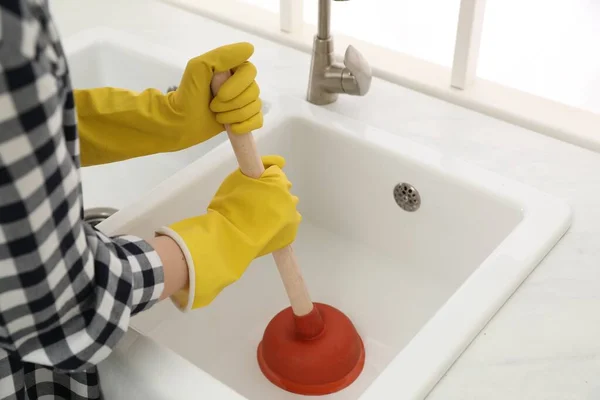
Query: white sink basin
[{"x": 418, "y": 285}]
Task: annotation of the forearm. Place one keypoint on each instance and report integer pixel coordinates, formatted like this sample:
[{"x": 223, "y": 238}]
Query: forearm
[
  {"x": 118, "y": 124},
  {"x": 175, "y": 268}
]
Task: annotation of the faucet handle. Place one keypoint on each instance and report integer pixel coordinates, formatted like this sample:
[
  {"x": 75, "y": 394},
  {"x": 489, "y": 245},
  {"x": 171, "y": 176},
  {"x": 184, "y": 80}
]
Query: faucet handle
[{"x": 356, "y": 77}]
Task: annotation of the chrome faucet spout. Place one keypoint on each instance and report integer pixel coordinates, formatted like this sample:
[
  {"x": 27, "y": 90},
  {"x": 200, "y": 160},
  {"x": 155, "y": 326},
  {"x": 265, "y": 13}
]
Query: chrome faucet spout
[
  {"x": 324, "y": 29},
  {"x": 328, "y": 79}
]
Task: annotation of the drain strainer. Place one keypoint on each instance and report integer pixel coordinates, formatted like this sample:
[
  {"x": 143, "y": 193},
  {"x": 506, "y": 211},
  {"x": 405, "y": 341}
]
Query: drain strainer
[
  {"x": 407, "y": 197},
  {"x": 96, "y": 215}
]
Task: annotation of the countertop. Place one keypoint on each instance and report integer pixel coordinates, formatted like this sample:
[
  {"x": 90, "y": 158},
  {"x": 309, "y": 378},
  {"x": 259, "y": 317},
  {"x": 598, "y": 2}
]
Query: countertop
[{"x": 545, "y": 342}]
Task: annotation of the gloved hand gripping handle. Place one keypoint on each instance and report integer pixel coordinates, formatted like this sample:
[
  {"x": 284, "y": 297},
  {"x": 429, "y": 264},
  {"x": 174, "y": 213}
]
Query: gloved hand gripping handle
[{"x": 251, "y": 165}]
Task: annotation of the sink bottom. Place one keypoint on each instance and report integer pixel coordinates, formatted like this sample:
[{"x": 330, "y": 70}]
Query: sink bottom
[{"x": 376, "y": 291}]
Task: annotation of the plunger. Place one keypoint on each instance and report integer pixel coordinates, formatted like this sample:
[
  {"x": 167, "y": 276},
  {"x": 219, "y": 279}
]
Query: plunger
[{"x": 308, "y": 348}]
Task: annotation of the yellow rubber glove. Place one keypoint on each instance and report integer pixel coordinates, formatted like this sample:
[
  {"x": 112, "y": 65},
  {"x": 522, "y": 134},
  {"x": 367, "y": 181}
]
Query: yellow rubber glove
[
  {"x": 118, "y": 124},
  {"x": 247, "y": 218}
]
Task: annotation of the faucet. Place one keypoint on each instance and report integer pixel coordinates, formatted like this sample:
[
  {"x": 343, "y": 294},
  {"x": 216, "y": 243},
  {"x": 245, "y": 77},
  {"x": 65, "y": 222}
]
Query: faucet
[{"x": 327, "y": 78}]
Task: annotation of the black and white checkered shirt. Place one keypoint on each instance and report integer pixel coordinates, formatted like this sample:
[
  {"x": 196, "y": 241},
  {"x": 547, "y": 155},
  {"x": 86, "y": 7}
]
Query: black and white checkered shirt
[{"x": 67, "y": 292}]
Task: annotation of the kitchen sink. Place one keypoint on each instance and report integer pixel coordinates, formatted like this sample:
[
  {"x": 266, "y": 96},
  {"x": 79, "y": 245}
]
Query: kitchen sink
[{"x": 418, "y": 248}]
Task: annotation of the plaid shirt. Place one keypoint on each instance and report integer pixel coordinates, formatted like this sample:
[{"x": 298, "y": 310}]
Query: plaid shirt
[{"x": 67, "y": 292}]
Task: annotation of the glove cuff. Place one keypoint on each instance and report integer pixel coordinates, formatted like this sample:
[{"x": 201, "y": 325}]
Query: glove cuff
[{"x": 184, "y": 298}]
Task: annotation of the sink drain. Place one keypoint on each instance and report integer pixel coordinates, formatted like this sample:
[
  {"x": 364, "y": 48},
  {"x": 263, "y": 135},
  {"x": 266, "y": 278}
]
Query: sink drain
[
  {"x": 407, "y": 197},
  {"x": 94, "y": 216}
]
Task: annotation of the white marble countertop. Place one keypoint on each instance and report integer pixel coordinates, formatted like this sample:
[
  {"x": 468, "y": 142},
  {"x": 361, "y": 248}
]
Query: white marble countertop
[{"x": 545, "y": 342}]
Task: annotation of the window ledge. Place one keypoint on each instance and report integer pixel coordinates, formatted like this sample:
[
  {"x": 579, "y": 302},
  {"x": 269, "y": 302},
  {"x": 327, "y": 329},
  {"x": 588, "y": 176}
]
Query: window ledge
[{"x": 563, "y": 122}]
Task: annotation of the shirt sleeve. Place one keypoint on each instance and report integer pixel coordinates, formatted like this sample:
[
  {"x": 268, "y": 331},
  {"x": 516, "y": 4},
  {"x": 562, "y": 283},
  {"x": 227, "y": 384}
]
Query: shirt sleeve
[{"x": 67, "y": 292}]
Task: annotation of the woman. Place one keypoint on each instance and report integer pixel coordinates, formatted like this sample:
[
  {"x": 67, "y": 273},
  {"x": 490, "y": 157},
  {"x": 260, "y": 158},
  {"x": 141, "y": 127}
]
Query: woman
[{"x": 67, "y": 292}]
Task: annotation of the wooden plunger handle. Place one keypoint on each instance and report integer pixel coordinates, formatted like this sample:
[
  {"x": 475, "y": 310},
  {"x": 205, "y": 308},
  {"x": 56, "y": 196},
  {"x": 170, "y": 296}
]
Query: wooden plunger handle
[{"x": 251, "y": 165}]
